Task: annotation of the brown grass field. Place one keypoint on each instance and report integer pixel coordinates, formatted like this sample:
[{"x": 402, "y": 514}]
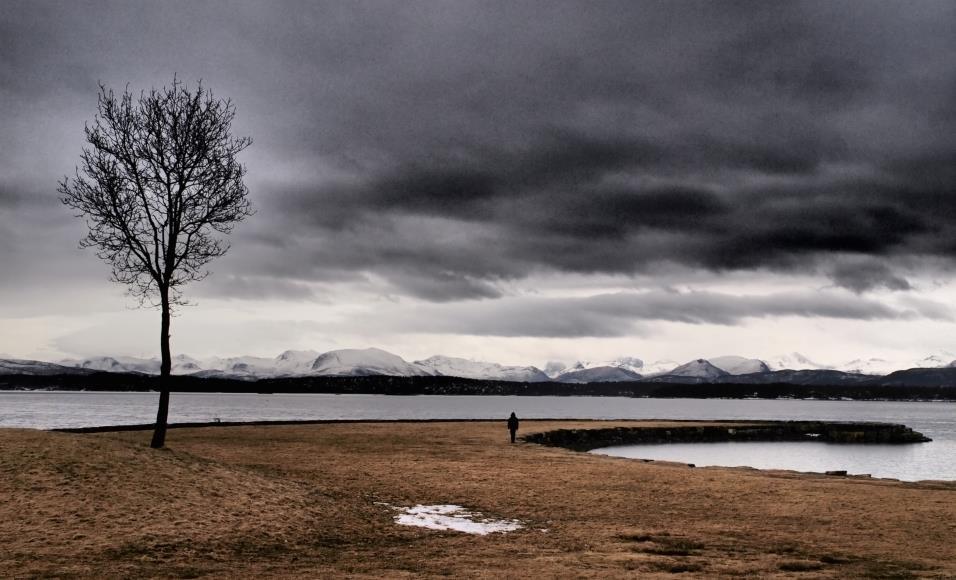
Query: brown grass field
[{"x": 304, "y": 501}]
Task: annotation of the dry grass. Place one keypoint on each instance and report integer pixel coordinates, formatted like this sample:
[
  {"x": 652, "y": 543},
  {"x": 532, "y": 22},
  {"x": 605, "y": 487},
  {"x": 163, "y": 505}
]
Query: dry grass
[{"x": 301, "y": 501}]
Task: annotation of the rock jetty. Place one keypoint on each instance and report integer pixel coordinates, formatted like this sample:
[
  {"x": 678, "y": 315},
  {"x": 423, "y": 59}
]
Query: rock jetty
[{"x": 825, "y": 431}]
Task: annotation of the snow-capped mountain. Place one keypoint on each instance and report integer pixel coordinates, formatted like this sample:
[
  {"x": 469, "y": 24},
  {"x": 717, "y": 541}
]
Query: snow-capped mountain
[
  {"x": 295, "y": 362},
  {"x": 604, "y": 374},
  {"x": 241, "y": 366},
  {"x": 879, "y": 366},
  {"x": 119, "y": 364},
  {"x": 869, "y": 366},
  {"x": 181, "y": 364},
  {"x": 553, "y": 368},
  {"x": 15, "y": 366},
  {"x": 935, "y": 361},
  {"x": 460, "y": 367},
  {"x": 793, "y": 361},
  {"x": 373, "y": 361},
  {"x": 698, "y": 369},
  {"x": 289, "y": 363},
  {"x": 659, "y": 367},
  {"x": 627, "y": 363},
  {"x": 738, "y": 365},
  {"x": 364, "y": 362}
]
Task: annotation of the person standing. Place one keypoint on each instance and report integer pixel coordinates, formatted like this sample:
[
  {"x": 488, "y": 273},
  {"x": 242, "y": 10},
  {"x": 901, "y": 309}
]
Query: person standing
[{"x": 513, "y": 425}]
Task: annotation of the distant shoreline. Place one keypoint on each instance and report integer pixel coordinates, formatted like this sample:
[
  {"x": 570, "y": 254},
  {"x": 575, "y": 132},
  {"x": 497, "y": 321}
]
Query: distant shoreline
[
  {"x": 717, "y": 398},
  {"x": 722, "y": 398},
  {"x": 696, "y": 430},
  {"x": 443, "y": 385}
]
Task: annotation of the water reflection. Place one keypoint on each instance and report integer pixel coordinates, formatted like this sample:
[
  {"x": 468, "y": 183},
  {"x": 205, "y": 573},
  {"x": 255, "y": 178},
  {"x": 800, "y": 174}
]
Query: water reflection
[{"x": 908, "y": 462}]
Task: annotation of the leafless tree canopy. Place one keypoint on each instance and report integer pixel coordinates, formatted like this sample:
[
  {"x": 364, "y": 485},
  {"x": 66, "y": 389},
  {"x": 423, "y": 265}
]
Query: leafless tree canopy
[{"x": 159, "y": 179}]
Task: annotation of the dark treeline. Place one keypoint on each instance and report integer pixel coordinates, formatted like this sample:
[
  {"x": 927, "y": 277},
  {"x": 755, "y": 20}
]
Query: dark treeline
[
  {"x": 383, "y": 385},
  {"x": 828, "y": 392},
  {"x": 374, "y": 385}
]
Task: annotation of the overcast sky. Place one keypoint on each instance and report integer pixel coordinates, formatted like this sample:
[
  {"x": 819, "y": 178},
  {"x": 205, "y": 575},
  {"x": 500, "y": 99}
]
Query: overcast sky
[{"x": 515, "y": 181}]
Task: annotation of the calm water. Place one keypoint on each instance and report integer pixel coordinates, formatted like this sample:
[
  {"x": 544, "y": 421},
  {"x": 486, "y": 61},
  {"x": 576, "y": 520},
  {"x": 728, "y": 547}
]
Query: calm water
[
  {"x": 936, "y": 460},
  {"x": 909, "y": 462}
]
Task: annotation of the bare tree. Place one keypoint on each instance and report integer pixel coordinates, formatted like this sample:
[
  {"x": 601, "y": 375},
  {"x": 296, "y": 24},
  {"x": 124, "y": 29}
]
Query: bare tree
[{"x": 159, "y": 179}]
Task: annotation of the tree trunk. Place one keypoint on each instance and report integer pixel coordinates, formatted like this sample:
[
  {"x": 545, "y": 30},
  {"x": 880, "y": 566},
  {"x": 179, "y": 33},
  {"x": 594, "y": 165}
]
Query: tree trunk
[{"x": 159, "y": 432}]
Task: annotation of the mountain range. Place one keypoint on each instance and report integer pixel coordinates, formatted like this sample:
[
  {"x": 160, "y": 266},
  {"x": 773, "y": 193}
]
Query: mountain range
[{"x": 791, "y": 368}]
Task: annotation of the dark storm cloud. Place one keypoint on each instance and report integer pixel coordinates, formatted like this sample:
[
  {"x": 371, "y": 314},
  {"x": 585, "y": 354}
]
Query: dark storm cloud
[
  {"x": 255, "y": 288},
  {"x": 622, "y": 314},
  {"x": 453, "y": 147},
  {"x": 441, "y": 287},
  {"x": 8, "y": 198},
  {"x": 860, "y": 277}
]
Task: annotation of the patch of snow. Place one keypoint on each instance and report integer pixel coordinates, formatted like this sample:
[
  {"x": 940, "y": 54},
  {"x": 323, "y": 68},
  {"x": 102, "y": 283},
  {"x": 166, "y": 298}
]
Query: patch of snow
[{"x": 453, "y": 517}]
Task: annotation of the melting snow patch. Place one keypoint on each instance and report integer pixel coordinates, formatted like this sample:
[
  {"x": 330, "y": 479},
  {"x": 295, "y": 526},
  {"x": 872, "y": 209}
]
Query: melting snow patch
[{"x": 453, "y": 517}]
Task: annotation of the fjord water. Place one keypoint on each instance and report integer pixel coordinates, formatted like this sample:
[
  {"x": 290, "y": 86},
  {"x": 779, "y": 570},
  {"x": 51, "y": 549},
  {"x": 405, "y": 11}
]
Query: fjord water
[
  {"x": 907, "y": 462},
  {"x": 935, "y": 460}
]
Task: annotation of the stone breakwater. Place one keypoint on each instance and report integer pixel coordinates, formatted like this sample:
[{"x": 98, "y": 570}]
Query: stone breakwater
[{"x": 825, "y": 431}]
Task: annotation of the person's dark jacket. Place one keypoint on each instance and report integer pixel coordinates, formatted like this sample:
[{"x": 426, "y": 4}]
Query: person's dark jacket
[{"x": 512, "y": 423}]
